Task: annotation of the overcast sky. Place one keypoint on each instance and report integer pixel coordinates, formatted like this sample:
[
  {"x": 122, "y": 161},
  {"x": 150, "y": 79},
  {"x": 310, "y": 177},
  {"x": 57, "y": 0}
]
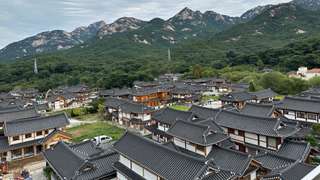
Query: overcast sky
[{"x": 22, "y": 18}]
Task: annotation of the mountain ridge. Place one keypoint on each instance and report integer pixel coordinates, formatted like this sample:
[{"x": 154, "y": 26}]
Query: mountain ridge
[{"x": 185, "y": 25}]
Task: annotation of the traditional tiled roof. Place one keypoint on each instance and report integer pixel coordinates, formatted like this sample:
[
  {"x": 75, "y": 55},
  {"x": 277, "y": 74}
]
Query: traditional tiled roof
[
  {"x": 300, "y": 104},
  {"x": 80, "y": 88},
  {"x": 196, "y": 133},
  {"x": 254, "y": 109},
  {"x": 10, "y": 109},
  {"x": 289, "y": 153},
  {"x": 116, "y": 92},
  {"x": 169, "y": 116},
  {"x": 263, "y": 94},
  {"x": 5, "y": 147},
  {"x": 312, "y": 92},
  {"x": 237, "y": 97},
  {"x": 274, "y": 127},
  {"x": 130, "y": 107},
  {"x": 148, "y": 91},
  {"x": 231, "y": 160},
  {"x": 295, "y": 171},
  {"x": 272, "y": 161},
  {"x": 114, "y": 102},
  {"x": 165, "y": 162},
  {"x": 220, "y": 175},
  {"x": 295, "y": 150},
  {"x": 203, "y": 112},
  {"x": 28, "y": 125},
  {"x": 76, "y": 162},
  {"x": 18, "y": 114}
]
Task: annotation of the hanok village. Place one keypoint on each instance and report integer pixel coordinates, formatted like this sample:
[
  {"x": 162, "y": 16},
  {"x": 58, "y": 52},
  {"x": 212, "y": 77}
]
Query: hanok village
[{"x": 234, "y": 135}]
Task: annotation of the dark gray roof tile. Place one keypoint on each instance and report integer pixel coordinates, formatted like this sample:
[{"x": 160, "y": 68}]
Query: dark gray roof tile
[
  {"x": 254, "y": 109},
  {"x": 18, "y": 114},
  {"x": 196, "y": 133},
  {"x": 170, "y": 116},
  {"x": 258, "y": 125},
  {"x": 23, "y": 126},
  {"x": 300, "y": 104},
  {"x": 162, "y": 160},
  {"x": 231, "y": 160}
]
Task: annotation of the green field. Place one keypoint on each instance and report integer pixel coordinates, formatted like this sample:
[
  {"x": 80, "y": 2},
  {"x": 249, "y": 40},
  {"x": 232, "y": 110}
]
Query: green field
[
  {"x": 180, "y": 107},
  {"x": 88, "y": 131}
]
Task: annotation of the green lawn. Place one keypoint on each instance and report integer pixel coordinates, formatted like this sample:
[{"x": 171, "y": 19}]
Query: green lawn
[
  {"x": 206, "y": 98},
  {"x": 180, "y": 107},
  {"x": 280, "y": 97},
  {"x": 88, "y": 131},
  {"x": 89, "y": 117}
]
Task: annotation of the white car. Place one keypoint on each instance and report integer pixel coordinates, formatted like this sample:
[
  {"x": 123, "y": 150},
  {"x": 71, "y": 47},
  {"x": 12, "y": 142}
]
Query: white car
[{"x": 102, "y": 139}]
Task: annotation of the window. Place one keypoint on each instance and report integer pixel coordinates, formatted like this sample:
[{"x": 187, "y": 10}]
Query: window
[
  {"x": 241, "y": 133},
  {"x": 272, "y": 142},
  {"x": 16, "y": 138},
  {"x": 230, "y": 131},
  {"x": 301, "y": 115},
  {"x": 200, "y": 148},
  {"x": 46, "y": 132},
  {"x": 39, "y": 133},
  {"x": 312, "y": 116},
  {"x": 28, "y": 135}
]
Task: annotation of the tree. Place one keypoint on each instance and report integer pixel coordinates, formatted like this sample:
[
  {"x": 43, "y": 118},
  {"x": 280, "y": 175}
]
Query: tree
[
  {"x": 252, "y": 87},
  {"x": 197, "y": 71}
]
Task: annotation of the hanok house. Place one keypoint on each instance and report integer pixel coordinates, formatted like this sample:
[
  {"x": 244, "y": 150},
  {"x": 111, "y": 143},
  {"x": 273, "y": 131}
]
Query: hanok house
[
  {"x": 123, "y": 93},
  {"x": 263, "y": 110},
  {"x": 312, "y": 92},
  {"x": 28, "y": 137},
  {"x": 134, "y": 115},
  {"x": 251, "y": 133},
  {"x": 62, "y": 101},
  {"x": 202, "y": 112},
  {"x": 197, "y": 138},
  {"x": 152, "y": 97},
  {"x": 153, "y": 161},
  {"x": 112, "y": 106},
  {"x": 297, "y": 171},
  {"x": 290, "y": 153},
  {"x": 300, "y": 109},
  {"x": 237, "y": 99},
  {"x": 264, "y": 96},
  {"x": 81, "y": 161},
  {"x": 17, "y": 113},
  {"x": 163, "y": 119},
  {"x": 241, "y": 164}
]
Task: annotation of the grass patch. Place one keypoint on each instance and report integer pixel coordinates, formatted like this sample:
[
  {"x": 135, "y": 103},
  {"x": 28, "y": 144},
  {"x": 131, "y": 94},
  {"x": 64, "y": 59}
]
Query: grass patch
[
  {"x": 90, "y": 117},
  {"x": 180, "y": 107},
  {"x": 89, "y": 131},
  {"x": 279, "y": 97},
  {"x": 207, "y": 98}
]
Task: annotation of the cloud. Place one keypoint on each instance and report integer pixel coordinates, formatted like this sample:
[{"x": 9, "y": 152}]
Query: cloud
[{"x": 21, "y": 18}]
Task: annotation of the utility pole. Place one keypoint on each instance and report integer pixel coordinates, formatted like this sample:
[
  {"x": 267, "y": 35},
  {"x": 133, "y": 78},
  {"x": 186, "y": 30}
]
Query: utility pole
[{"x": 169, "y": 55}]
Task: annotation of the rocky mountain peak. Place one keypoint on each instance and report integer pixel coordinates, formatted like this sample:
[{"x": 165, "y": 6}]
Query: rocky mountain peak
[
  {"x": 120, "y": 25},
  {"x": 252, "y": 13},
  {"x": 187, "y": 14},
  {"x": 308, "y": 4}
]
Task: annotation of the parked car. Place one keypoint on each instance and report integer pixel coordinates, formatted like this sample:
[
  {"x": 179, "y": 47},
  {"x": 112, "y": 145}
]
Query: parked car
[{"x": 100, "y": 139}]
